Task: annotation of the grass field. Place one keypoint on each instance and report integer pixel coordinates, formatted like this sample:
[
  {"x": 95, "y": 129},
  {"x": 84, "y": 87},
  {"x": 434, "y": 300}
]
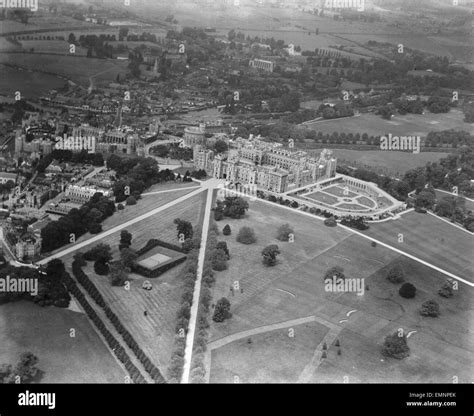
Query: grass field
[
  {"x": 51, "y": 46},
  {"x": 155, "y": 332},
  {"x": 431, "y": 240},
  {"x": 30, "y": 84},
  {"x": 294, "y": 289},
  {"x": 25, "y": 326},
  {"x": 409, "y": 124},
  {"x": 76, "y": 68},
  {"x": 391, "y": 163},
  {"x": 322, "y": 197},
  {"x": 271, "y": 357}
]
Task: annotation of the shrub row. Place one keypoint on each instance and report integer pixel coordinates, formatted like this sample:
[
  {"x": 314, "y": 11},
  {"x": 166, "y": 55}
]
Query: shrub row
[
  {"x": 84, "y": 280},
  {"x": 117, "y": 349},
  {"x": 175, "y": 369},
  {"x": 198, "y": 369},
  {"x": 154, "y": 242}
]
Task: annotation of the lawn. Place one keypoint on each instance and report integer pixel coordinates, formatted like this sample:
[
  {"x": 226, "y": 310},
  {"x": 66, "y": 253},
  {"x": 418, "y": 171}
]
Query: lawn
[
  {"x": 294, "y": 289},
  {"x": 30, "y": 84},
  {"x": 155, "y": 332},
  {"x": 78, "y": 69},
  {"x": 409, "y": 124},
  {"x": 271, "y": 357},
  {"x": 431, "y": 240},
  {"x": 440, "y": 349},
  {"x": 393, "y": 163},
  {"x": 322, "y": 197},
  {"x": 85, "y": 358}
]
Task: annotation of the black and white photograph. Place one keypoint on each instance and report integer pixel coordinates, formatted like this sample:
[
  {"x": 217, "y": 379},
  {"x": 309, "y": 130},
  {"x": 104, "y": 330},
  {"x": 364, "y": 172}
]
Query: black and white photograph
[{"x": 223, "y": 192}]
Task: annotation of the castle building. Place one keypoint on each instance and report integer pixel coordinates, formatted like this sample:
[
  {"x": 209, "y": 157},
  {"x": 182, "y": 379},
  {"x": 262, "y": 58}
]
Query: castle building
[{"x": 266, "y": 165}]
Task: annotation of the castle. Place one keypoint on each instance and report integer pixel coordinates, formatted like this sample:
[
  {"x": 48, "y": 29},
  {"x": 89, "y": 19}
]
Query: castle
[{"x": 267, "y": 165}]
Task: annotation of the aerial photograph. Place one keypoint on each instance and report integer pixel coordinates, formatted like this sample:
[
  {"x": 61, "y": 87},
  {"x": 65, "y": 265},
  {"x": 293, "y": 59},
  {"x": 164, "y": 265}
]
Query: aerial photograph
[{"x": 236, "y": 192}]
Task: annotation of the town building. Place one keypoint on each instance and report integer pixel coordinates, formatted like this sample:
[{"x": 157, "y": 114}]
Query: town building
[
  {"x": 82, "y": 194},
  {"x": 262, "y": 64}
]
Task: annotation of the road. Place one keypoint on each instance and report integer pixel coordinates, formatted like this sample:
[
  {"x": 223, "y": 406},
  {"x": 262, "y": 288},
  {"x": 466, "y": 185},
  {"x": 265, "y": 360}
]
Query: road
[{"x": 210, "y": 185}]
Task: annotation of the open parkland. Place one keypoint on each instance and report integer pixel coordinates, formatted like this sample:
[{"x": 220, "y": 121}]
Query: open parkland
[{"x": 282, "y": 317}]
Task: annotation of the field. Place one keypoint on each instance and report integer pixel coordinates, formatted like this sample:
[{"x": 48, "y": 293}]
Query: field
[
  {"x": 25, "y": 326},
  {"x": 76, "y": 68},
  {"x": 294, "y": 289},
  {"x": 392, "y": 163},
  {"x": 29, "y": 83},
  {"x": 51, "y": 46},
  {"x": 283, "y": 355},
  {"x": 409, "y": 124},
  {"x": 154, "y": 332},
  {"x": 431, "y": 240}
]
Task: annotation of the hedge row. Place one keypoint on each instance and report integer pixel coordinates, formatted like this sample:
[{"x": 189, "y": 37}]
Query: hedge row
[
  {"x": 198, "y": 369},
  {"x": 115, "y": 346},
  {"x": 154, "y": 242},
  {"x": 84, "y": 280},
  {"x": 175, "y": 369}
]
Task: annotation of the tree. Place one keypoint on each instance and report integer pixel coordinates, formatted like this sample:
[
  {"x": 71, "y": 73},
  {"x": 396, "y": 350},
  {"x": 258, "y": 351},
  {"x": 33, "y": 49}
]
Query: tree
[
  {"x": 396, "y": 274},
  {"x": 232, "y": 206},
  {"x": 101, "y": 268},
  {"x": 425, "y": 199},
  {"x": 184, "y": 228},
  {"x": 118, "y": 273},
  {"x": 446, "y": 290},
  {"x": 128, "y": 257},
  {"x": 222, "y": 245},
  {"x": 220, "y": 146},
  {"x": 100, "y": 251},
  {"x": 396, "y": 346},
  {"x": 407, "y": 291},
  {"x": 222, "y": 310},
  {"x": 125, "y": 239},
  {"x": 226, "y": 230},
  {"x": 430, "y": 308},
  {"x": 330, "y": 222},
  {"x": 27, "y": 367},
  {"x": 336, "y": 272},
  {"x": 269, "y": 254},
  {"x": 131, "y": 200},
  {"x": 6, "y": 371},
  {"x": 246, "y": 235},
  {"x": 219, "y": 259},
  {"x": 95, "y": 228},
  {"x": 120, "y": 207},
  {"x": 284, "y": 232},
  {"x": 79, "y": 259}
]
